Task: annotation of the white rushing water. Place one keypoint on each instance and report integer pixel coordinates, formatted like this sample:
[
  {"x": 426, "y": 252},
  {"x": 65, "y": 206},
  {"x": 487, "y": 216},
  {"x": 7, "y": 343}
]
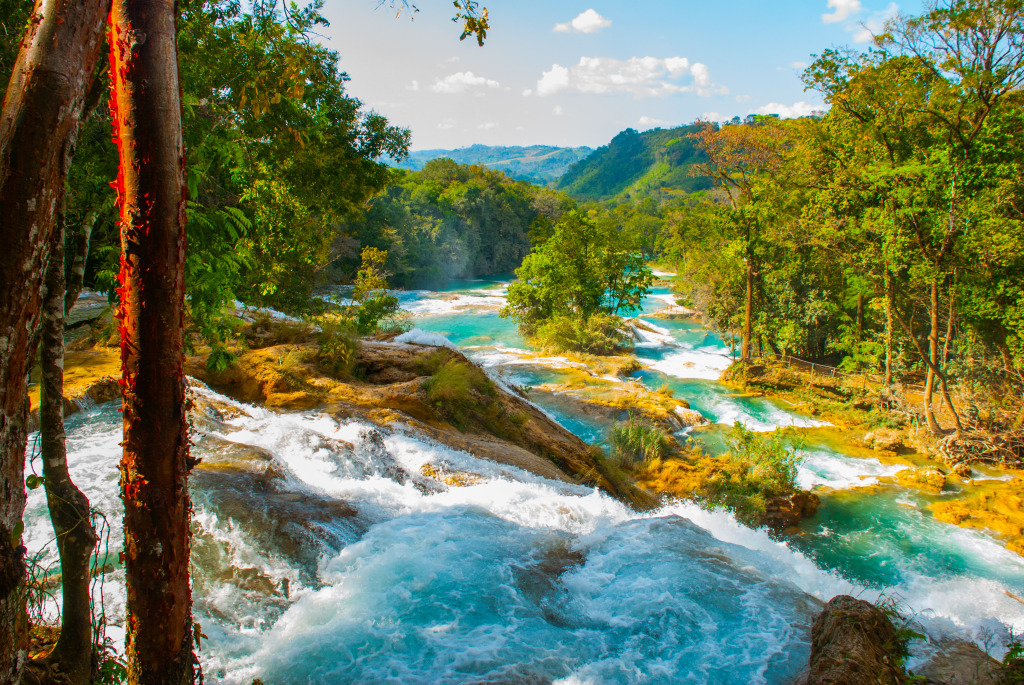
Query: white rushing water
[{"x": 323, "y": 553}]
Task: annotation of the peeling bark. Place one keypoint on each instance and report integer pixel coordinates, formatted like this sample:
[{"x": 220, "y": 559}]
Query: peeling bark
[
  {"x": 69, "y": 507},
  {"x": 146, "y": 111},
  {"x": 38, "y": 125}
]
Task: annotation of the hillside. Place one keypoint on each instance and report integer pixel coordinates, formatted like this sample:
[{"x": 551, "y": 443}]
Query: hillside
[
  {"x": 538, "y": 164},
  {"x": 638, "y": 164}
]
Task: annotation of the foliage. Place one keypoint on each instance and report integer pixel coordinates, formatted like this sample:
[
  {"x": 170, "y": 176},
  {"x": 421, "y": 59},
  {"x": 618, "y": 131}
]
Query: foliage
[
  {"x": 450, "y": 221},
  {"x": 759, "y": 466},
  {"x": 584, "y": 269},
  {"x": 636, "y": 164},
  {"x": 1013, "y": 663},
  {"x": 458, "y": 389},
  {"x": 376, "y": 309},
  {"x": 636, "y": 443},
  {"x": 111, "y": 667},
  {"x": 279, "y": 157},
  {"x": 601, "y": 334},
  {"x": 337, "y": 346},
  {"x": 895, "y": 610}
]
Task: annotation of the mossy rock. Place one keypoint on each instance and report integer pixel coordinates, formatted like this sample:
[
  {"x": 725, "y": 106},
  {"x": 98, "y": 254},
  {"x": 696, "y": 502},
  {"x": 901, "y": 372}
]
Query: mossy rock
[{"x": 927, "y": 480}]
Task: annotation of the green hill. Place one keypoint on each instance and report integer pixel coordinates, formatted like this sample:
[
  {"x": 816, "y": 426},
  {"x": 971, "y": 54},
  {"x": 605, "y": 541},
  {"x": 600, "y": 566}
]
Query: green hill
[
  {"x": 540, "y": 164},
  {"x": 640, "y": 164}
]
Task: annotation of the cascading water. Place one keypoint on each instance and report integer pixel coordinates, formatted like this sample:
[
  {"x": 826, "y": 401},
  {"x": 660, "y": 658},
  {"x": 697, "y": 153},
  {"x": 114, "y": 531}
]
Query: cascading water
[{"x": 333, "y": 551}]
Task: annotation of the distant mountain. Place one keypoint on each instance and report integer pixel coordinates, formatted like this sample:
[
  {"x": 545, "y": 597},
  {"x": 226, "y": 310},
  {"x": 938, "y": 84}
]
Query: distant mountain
[
  {"x": 637, "y": 163},
  {"x": 538, "y": 164}
]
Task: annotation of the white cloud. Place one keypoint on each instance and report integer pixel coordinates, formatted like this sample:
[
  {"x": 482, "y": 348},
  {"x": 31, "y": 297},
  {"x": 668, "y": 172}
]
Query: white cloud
[
  {"x": 488, "y": 125},
  {"x": 553, "y": 81},
  {"x": 462, "y": 81},
  {"x": 799, "y": 65},
  {"x": 414, "y": 86},
  {"x": 445, "y": 125},
  {"x": 645, "y": 123},
  {"x": 797, "y": 109},
  {"x": 559, "y": 111},
  {"x": 700, "y": 75},
  {"x": 875, "y": 24},
  {"x": 841, "y": 9},
  {"x": 640, "y": 76},
  {"x": 585, "y": 22},
  {"x": 710, "y": 116}
]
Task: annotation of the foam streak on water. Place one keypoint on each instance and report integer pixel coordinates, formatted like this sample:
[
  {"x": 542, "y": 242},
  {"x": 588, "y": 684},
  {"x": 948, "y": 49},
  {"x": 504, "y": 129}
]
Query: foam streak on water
[{"x": 513, "y": 578}]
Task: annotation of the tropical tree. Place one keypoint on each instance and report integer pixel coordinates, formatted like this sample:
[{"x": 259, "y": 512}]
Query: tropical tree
[
  {"x": 38, "y": 128},
  {"x": 747, "y": 162},
  {"x": 584, "y": 271}
]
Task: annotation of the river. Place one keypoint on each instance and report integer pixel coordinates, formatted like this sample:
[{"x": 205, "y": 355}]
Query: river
[{"x": 334, "y": 560}]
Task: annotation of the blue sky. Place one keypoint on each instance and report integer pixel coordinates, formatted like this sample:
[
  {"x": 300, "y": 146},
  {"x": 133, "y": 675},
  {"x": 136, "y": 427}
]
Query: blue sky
[{"x": 561, "y": 72}]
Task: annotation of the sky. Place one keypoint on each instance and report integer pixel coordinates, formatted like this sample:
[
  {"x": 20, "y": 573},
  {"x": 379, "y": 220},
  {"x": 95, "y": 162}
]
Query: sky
[{"x": 571, "y": 73}]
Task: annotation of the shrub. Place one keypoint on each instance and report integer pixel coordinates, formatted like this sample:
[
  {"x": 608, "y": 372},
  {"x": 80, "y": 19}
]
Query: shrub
[
  {"x": 758, "y": 467},
  {"x": 637, "y": 443},
  {"x": 601, "y": 334},
  {"x": 337, "y": 347},
  {"x": 457, "y": 388}
]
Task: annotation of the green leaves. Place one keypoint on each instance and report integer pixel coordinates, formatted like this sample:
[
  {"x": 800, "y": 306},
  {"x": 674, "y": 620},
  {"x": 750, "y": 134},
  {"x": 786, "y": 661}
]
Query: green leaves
[{"x": 583, "y": 269}]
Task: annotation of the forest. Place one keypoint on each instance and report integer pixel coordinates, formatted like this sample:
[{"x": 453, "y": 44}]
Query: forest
[{"x": 883, "y": 238}]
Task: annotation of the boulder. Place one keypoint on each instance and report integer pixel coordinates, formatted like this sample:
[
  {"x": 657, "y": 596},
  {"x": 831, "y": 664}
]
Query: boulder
[
  {"x": 884, "y": 439},
  {"x": 852, "y": 643},
  {"x": 927, "y": 480},
  {"x": 960, "y": 663},
  {"x": 690, "y": 417},
  {"x": 786, "y": 511}
]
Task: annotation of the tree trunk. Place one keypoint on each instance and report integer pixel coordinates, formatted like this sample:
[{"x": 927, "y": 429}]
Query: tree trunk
[
  {"x": 933, "y": 358},
  {"x": 39, "y": 123},
  {"x": 69, "y": 507},
  {"x": 146, "y": 111},
  {"x": 890, "y": 307},
  {"x": 748, "y": 310},
  {"x": 81, "y": 255},
  {"x": 860, "y": 317}
]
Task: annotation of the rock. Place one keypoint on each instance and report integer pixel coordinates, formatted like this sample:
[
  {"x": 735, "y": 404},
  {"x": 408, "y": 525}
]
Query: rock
[
  {"x": 927, "y": 480},
  {"x": 960, "y": 663},
  {"x": 963, "y": 470},
  {"x": 690, "y": 417},
  {"x": 787, "y": 511},
  {"x": 851, "y": 644},
  {"x": 885, "y": 439}
]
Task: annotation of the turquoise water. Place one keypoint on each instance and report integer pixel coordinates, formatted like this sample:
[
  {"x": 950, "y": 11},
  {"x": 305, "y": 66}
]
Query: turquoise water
[{"x": 348, "y": 565}]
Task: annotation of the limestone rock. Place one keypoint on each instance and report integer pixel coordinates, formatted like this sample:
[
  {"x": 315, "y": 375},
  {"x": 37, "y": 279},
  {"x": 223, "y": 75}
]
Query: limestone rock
[
  {"x": 885, "y": 439},
  {"x": 927, "y": 480},
  {"x": 851, "y": 644},
  {"x": 960, "y": 663},
  {"x": 690, "y": 417},
  {"x": 788, "y": 510}
]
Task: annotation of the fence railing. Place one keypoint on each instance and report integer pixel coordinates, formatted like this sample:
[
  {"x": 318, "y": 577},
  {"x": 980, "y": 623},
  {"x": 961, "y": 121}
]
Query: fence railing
[{"x": 826, "y": 370}]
